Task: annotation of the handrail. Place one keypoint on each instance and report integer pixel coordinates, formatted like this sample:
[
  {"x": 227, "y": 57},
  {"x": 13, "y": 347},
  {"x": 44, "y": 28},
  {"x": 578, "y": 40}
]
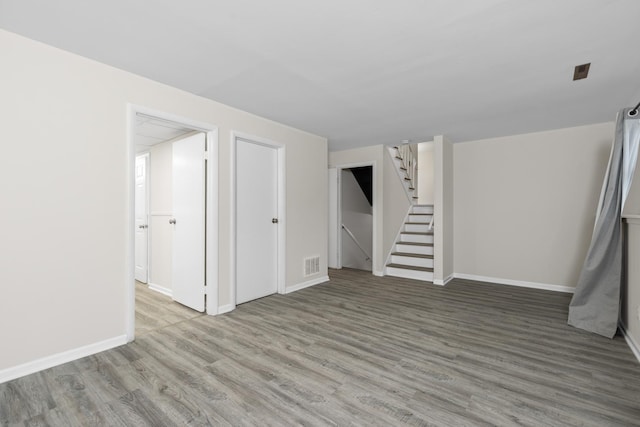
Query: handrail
[
  {"x": 410, "y": 164},
  {"x": 344, "y": 227}
]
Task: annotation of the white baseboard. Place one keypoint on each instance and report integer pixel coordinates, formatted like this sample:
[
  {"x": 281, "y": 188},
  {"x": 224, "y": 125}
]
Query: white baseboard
[
  {"x": 226, "y": 308},
  {"x": 306, "y": 284},
  {"x": 60, "y": 358},
  {"x": 445, "y": 281},
  {"x": 165, "y": 291},
  {"x": 635, "y": 348},
  {"x": 520, "y": 283},
  {"x": 378, "y": 273}
]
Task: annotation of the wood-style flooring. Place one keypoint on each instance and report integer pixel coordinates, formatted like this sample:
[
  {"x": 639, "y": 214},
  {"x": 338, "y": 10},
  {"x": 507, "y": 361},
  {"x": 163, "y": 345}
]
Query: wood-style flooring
[
  {"x": 358, "y": 350},
  {"x": 155, "y": 310}
]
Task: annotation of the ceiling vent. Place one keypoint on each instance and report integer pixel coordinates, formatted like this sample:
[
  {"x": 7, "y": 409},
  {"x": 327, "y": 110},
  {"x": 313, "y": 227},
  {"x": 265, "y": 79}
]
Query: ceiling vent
[{"x": 581, "y": 71}]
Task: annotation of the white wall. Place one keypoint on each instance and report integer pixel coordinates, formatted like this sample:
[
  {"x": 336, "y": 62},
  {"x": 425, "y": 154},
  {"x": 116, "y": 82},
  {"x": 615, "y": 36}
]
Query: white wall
[
  {"x": 357, "y": 216},
  {"x": 425, "y": 173},
  {"x": 443, "y": 216},
  {"x": 525, "y": 204},
  {"x": 66, "y": 185}
]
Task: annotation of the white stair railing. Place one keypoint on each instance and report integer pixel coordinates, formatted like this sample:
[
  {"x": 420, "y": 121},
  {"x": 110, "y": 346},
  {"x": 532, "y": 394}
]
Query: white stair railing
[
  {"x": 350, "y": 234},
  {"x": 409, "y": 164}
]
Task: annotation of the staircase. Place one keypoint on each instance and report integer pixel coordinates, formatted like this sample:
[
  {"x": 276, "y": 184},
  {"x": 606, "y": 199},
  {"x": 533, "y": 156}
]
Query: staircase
[
  {"x": 406, "y": 164},
  {"x": 412, "y": 255}
]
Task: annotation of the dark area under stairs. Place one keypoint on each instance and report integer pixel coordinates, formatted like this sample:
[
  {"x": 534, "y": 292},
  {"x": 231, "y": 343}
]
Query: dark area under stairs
[{"x": 364, "y": 177}]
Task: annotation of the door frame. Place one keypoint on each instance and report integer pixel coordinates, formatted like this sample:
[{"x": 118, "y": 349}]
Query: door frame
[
  {"x": 375, "y": 248},
  {"x": 211, "y": 207},
  {"x": 147, "y": 175},
  {"x": 281, "y": 156}
]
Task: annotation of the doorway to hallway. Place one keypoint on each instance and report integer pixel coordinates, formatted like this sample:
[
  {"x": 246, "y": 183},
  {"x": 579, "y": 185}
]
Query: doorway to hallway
[
  {"x": 181, "y": 215},
  {"x": 156, "y": 311}
]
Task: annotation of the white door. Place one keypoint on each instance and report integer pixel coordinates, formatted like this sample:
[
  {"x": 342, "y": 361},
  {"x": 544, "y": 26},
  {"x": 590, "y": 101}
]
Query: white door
[
  {"x": 256, "y": 221},
  {"x": 141, "y": 220},
  {"x": 188, "y": 275}
]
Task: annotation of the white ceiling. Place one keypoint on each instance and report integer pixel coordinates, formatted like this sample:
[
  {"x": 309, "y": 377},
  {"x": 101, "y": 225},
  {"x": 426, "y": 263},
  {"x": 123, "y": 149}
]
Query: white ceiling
[
  {"x": 150, "y": 131},
  {"x": 364, "y": 72}
]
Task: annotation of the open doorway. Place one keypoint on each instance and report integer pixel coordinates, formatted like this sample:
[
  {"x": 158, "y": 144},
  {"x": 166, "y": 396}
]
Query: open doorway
[
  {"x": 356, "y": 208},
  {"x": 351, "y": 219},
  {"x": 173, "y": 239}
]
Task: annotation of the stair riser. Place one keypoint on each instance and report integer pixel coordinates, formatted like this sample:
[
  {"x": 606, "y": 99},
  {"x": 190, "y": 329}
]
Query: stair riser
[
  {"x": 420, "y": 218},
  {"x": 416, "y": 262},
  {"x": 416, "y": 238},
  {"x": 427, "y": 276},
  {"x": 419, "y": 228},
  {"x": 422, "y": 209},
  {"x": 421, "y": 250}
]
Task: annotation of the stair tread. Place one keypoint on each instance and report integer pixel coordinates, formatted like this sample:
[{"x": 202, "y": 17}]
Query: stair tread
[
  {"x": 409, "y": 254},
  {"x": 428, "y": 233},
  {"x": 410, "y": 267},
  {"x": 414, "y": 243},
  {"x": 420, "y": 213},
  {"x": 417, "y": 223}
]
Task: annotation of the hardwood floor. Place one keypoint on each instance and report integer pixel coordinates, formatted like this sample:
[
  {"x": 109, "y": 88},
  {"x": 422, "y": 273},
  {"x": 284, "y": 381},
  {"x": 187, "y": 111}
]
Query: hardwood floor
[
  {"x": 359, "y": 350},
  {"x": 155, "y": 310}
]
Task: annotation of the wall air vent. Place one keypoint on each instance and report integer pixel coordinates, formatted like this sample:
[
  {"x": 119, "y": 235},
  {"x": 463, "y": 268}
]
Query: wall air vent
[
  {"x": 311, "y": 265},
  {"x": 581, "y": 71}
]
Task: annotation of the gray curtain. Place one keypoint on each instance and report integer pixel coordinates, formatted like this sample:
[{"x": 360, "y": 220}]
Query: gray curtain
[{"x": 595, "y": 305}]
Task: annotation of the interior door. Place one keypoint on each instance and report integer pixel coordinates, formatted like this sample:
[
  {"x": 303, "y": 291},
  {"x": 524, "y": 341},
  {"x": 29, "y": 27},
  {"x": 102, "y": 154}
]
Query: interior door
[
  {"x": 256, "y": 221},
  {"x": 141, "y": 220},
  {"x": 188, "y": 275}
]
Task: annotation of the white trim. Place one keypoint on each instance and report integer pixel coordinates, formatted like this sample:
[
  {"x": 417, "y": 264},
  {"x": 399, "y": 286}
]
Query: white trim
[
  {"x": 211, "y": 265},
  {"x": 161, "y": 213},
  {"x": 307, "y": 284},
  {"x": 130, "y": 250},
  {"x": 232, "y": 228},
  {"x": 212, "y": 223},
  {"x": 378, "y": 273},
  {"x": 635, "y": 348},
  {"x": 406, "y": 273},
  {"x": 520, "y": 283},
  {"x": 60, "y": 358},
  {"x": 226, "y": 308},
  {"x": 375, "y": 250},
  {"x": 157, "y": 288},
  {"x": 282, "y": 209},
  {"x": 445, "y": 281},
  {"x": 282, "y": 213}
]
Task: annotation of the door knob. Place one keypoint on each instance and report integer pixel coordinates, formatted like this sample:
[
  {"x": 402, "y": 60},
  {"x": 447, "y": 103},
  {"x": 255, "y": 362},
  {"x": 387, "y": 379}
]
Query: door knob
[
  {"x": 274, "y": 220},
  {"x": 172, "y": 221},
  {"x": 143, "y": 226}
]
